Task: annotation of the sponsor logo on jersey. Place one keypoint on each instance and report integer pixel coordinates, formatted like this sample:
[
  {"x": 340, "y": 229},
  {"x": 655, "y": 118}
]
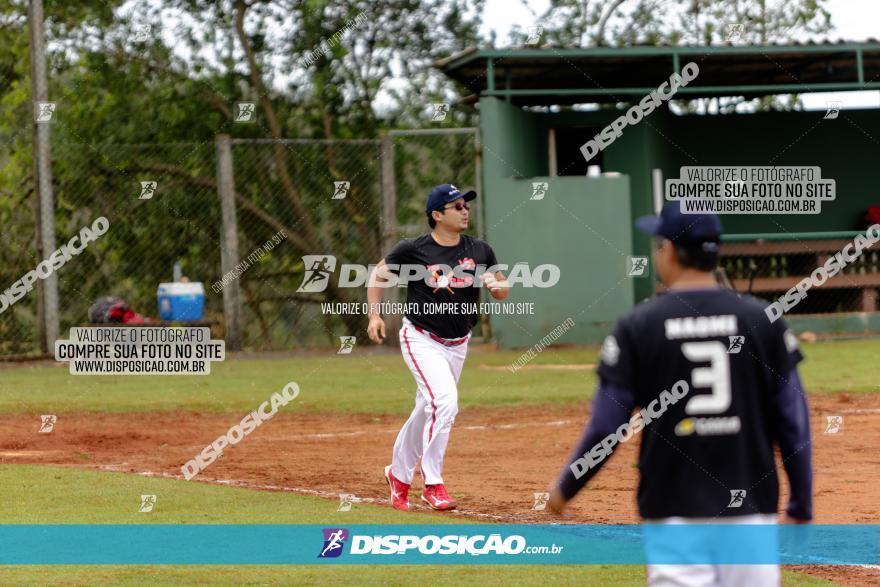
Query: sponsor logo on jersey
[
  {"x": 454, "y": 278},
  {"x": 700, "y": 326},
  {"x": 438, "y": 280},
  {"x": 708, "y": 426}
]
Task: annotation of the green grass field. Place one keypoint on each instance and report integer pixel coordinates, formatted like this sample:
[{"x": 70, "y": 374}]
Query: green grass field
[
  {"x": 370, "y": 383},
  {"x": 353, "y": 384}
]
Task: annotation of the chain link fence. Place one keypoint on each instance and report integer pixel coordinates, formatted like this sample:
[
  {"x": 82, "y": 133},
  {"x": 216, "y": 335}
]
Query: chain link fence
[
  {"x": 160, "y": 203},
  {"x": 346, "y": 199},
  {"x": 351, "y": 199},
  {"x": 427, "y": 158},
  {"x": 323, "y": 198}
]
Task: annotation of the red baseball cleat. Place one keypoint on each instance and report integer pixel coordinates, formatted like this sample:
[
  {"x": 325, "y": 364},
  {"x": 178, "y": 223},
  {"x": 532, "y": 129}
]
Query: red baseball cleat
[
  {"x": 437, "y": 498},
  {"x": 399, "y": 490}
]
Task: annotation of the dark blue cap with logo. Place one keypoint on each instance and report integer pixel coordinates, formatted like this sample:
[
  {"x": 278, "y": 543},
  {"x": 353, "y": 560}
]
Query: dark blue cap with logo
[
  {"x": 445, "y": 193},
  {"x": 688, "y": 230}
]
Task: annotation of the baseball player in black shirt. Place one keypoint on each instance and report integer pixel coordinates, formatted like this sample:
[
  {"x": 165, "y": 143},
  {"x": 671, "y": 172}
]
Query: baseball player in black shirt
[
  {"x": 441, "y": 311},
  {"x": 717, "y": 386}
]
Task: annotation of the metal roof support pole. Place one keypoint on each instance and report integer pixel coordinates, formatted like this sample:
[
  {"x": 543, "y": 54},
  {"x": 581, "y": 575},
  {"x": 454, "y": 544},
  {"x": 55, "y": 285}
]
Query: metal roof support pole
[
  {"x": 490, "y": 75},
  {"x": 229, "y": 258},
  {"x": 860, "y": 66},
  {"x": 388, "y": 220},
  {"x": 43, "y": 188}
]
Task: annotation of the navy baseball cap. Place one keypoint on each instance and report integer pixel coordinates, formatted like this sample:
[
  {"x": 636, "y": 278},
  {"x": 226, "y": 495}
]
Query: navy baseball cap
[
  {"x": 688, "y": 230},
  {"x": 445, "y": 193}
]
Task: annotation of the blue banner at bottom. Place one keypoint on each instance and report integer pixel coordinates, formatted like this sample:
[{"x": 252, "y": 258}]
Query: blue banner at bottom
[{"x": 440, "y": 544}]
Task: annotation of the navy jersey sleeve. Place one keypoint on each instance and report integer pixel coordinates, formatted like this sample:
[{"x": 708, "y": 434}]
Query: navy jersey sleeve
[
  {"x": 617, "y": 357},
  {"x": 401, "y": 253},
  {"x": 793, "y": 420},
  {"x": 786, "y": 352}
]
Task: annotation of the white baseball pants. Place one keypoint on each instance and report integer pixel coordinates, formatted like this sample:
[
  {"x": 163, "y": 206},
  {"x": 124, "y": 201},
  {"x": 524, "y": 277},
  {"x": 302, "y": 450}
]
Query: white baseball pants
[
  {"x": 714, "y": 575},
  {"x": 436, "y": 369}
]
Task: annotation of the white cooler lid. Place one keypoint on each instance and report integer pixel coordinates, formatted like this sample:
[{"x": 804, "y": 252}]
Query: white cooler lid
[{"x": 182, "y": 288}]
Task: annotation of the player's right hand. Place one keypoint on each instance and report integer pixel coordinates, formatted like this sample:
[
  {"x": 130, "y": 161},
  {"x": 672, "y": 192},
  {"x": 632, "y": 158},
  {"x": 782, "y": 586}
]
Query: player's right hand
[{"x": 376, "y": 329}]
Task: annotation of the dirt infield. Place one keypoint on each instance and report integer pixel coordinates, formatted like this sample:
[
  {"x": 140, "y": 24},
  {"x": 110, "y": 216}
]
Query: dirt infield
[{"x": 497, "y": 458}]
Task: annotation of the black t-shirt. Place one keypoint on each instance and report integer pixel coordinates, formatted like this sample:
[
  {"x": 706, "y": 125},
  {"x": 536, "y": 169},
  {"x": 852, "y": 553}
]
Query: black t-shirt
[
  {"x": 719, "y": 437},
  {"x": 460, "y": 291}
]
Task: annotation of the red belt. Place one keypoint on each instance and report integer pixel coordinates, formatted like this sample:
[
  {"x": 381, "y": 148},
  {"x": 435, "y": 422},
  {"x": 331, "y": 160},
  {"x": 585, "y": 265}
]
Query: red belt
[{"x": 443, "y": 341}]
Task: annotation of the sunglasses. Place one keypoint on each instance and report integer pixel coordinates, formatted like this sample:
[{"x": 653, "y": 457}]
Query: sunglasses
[{"x": 458, "y": 206}]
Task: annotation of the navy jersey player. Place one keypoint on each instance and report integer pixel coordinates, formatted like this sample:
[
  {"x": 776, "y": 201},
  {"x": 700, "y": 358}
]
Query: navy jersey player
[{"x": 706, "y": 454}]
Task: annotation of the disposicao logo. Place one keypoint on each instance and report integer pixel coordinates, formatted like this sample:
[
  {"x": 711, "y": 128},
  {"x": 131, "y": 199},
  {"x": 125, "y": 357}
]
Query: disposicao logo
[{"x": 334, "y": 540}]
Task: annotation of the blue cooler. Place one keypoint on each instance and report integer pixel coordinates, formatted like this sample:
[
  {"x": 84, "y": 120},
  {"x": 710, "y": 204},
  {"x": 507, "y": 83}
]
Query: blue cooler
[{"x": 181, "y": 301}]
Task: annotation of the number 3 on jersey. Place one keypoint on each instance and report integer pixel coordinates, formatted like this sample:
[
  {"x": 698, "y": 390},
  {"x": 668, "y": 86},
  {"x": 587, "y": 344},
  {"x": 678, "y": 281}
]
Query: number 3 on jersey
[{"x": 716, "y": 376}]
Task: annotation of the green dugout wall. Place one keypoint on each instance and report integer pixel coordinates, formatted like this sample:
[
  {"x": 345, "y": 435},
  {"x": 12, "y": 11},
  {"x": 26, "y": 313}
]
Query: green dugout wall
[{"x": 584, "y": 224}]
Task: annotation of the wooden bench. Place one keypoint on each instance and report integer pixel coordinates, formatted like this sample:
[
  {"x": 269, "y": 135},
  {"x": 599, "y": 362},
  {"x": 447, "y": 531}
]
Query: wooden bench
[
  {"x": 794, "y": 260},
  {"x": 861, "y": 274}
]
